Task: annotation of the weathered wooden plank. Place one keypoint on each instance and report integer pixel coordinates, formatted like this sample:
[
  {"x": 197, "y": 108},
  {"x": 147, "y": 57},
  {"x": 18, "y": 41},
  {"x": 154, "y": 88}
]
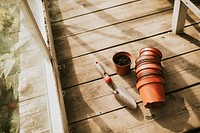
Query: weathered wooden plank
[
  {"x": 108, "y": 17},
  {"x": 86, "y": 43},
  {"x": 94, "y": 98},
  {"x": 82, "y": 69},
  {"x": 62, "y": 9},
  {"x": 180, "y": 113},
  {"x": 33, "y": 115}
]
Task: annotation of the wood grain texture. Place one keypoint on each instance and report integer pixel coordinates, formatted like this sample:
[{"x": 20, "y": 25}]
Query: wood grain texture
[
  {"x": 110, "y": 16},
  {"x": 61, "y": 9},
  {"x": 33, "y": 115},
  {"x": 82, "y": 69},
  {"x": 120, "y": 34},
  {"x": 95, "y": 97},
  {"x": 95, "y": 35},
  {"x": 180, "y": 113}
]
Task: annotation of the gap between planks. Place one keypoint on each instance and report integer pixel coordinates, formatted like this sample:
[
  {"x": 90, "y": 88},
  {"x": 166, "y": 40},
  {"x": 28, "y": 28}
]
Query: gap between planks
[
  {"x": 116, "y": 23},
  {"x": 138, "y": 102},
  {"x": 92, "y": 95},
  {"x": 92, "y": 24},
  {"x": 170, "y": 37},
  {"x": 179, "y": 104},
  {"x": 114, "y": 74},
  {"x": 121, "y": 44},
  {"x": 102, "y": 9},
  {"x": 113, "y": 22},
  {"x": 92, "y": 47}
]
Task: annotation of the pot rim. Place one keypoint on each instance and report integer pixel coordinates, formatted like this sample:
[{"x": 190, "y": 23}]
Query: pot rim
[
  {"x": 122, "y": 53},
  {"x": 148, "y": 74},
  {"x": 149, "y": 80},
  {"x": 149, "y": 70},
  {"x": 152, "y": 53},
  {"x": 151, "y": 49},
  {"x": 153, "y": 96},
  {"x": 148, "y": 66},
  {"x": 147, "y": 62},
  {"x": 147, "y": 57},
  {"x": 150, "y": 84}
]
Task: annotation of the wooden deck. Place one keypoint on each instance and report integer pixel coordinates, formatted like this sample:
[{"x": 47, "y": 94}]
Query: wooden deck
[{"x": 89, "y": 31}]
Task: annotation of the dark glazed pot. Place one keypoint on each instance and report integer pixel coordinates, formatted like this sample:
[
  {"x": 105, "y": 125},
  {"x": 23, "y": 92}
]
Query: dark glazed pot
[{"x": 122, "y": 61}]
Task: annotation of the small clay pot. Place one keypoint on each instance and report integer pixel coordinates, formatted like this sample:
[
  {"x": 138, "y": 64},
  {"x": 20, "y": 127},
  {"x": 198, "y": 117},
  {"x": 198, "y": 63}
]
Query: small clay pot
[
  {"x": 122, "y": 61},
  {"x": 150, "y": 51},
  {"x": 148, "y": 66},
  {"x": 152, "y": 94},
  {"x": 147, "y": 62}
]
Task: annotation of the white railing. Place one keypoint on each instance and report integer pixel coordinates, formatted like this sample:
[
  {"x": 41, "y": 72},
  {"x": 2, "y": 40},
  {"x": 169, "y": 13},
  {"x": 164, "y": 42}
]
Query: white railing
[{"x": 180, "y": 12}]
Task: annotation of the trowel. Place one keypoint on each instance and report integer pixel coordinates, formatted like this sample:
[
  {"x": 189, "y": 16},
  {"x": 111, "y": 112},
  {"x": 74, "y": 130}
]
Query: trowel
[{"x": 121, "y": 94}]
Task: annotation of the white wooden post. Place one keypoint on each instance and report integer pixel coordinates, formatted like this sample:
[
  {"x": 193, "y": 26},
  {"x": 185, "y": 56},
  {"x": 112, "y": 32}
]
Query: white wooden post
[
  {"x": 179, "y": 16},
  {"x": 180, "y": 12}
]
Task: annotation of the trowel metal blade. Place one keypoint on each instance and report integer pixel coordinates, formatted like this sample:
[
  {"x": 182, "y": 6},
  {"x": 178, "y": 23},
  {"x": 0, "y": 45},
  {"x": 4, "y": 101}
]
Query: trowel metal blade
[{"x": 124, "y": 97}]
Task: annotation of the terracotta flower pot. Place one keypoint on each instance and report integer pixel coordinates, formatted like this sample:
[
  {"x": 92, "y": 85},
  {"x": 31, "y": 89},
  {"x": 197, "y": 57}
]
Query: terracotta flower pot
[
  {"x": 147, "y": 58},
  {"x": 150, "y": 51},
  {"x": 122, "y": 61},
  {"x": 148, "y": 61},
  {"x": 148, "y": 66},
  {"x": 147, "y": 72},
  {"x": 150, "y": 82},
  {"x": 149, "y": 79},
  {"x": 151, "y": 89},
  {"x": 152, "y": 94}
]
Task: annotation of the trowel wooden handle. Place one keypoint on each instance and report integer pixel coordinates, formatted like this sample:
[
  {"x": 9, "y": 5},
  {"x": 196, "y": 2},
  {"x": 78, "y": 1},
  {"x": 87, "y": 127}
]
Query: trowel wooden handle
[{"x": 103, "y": 73}]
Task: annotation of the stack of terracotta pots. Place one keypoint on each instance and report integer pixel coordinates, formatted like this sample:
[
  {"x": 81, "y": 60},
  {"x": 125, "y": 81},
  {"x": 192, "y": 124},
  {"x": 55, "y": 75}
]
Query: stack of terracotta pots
[{"x": 150, "y": 81}]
